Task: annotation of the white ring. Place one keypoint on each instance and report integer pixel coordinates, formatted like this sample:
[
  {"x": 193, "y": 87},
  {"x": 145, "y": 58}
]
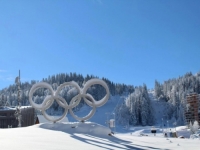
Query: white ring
[
  {"x": 101, "y": 82},
  {"x": 34, "y": 88},
  {"x": 48, "y": 101},
  {"x": 87, "y": 117},
  {"x": 58, "y": 99}
]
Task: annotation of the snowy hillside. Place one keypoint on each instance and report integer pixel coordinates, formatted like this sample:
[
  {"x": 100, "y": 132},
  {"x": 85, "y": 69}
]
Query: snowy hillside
[
  {"x": 159, "y": 108},
  {"x": 101, "y": 116},
  {"x": 162, "y": 111},
  {"x": 103, "y": 113},
  {"x": 107, "y": 111}
]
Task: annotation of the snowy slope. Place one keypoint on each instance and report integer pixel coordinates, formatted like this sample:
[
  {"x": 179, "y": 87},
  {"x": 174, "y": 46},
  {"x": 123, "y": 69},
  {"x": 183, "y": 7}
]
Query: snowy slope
[
  {"x": 106, "y": 112},
  {"x": 102, "y": 113},
  {"x": 158, "y": 108}
]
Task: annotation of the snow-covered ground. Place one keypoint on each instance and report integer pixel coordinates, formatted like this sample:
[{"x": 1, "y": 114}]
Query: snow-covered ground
[
  {"x": 94, "y": 135},
  {"x": 88, "y": 136}
]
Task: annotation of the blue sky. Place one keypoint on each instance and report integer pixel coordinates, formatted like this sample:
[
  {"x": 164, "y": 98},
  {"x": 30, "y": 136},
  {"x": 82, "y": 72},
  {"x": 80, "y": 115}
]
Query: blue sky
[{"x": 130, "y": 41}]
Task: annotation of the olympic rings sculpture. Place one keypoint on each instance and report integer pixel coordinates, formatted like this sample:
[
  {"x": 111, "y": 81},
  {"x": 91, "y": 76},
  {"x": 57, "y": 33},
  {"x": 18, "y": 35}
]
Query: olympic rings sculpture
[{"x": 88, "y": 98}]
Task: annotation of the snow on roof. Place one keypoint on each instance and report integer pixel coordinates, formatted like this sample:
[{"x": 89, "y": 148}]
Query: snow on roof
[
  {"x": 12, "y": 108},
  {"x": 6, "y": 108}
]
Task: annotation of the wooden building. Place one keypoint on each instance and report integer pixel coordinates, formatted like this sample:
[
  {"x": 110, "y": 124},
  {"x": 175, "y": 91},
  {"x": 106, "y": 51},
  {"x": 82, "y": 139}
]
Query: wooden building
[
  {"x": 8, "y": 119},
  {"x": 192, "y": 111}
]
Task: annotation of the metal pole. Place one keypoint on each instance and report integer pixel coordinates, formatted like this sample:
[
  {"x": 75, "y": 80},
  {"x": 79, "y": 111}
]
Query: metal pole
[
  {"x": 177, "y": 117},
  {"x": 19, "y": 101},
  {"x": 177, "y": 112},
  {"x": 115, "y": 123},
  {"x": 175, "y": 126},
  {"x": 18, "y": 108},
  {"x": 19, "y": 98},
  {"x": 167, "y": 126},
  {"x": 107, "y": 118},
  {"x": 162, "y": 126}
]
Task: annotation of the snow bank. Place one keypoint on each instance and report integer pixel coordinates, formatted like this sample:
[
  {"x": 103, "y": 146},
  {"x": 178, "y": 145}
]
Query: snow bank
[
  {"x": 183, "y": 131},
  {"x": 78, "y": 127},
  {"x": 43, "y": 120}
]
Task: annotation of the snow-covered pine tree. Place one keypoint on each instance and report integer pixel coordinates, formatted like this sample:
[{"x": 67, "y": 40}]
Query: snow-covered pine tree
[
  {"x": 158, "y": 89},
  {"x": 195, "y": 126},
  {"x": 139, "y": 106},
  {"x": 122, "y": 114}
]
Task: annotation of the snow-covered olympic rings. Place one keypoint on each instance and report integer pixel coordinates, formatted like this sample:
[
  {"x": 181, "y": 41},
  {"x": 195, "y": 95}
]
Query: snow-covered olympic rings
[{"x": 49, "y": 99}]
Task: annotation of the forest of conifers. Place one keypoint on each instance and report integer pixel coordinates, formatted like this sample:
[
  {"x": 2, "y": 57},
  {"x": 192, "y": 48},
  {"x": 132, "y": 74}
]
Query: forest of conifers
[{"x": 136, "y": 109}]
